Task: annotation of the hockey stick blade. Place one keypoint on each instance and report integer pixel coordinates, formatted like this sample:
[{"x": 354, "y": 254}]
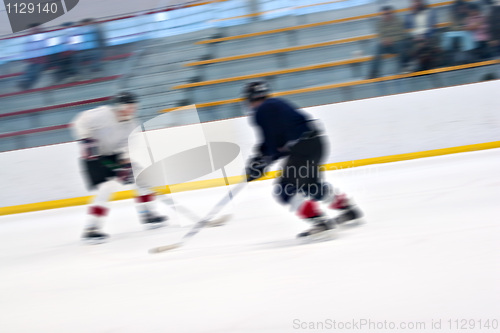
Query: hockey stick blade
[
  {"x": 165, "y": 248},
  {"x": 218, "y": 221},
  {"x": 202, "y": 223}
]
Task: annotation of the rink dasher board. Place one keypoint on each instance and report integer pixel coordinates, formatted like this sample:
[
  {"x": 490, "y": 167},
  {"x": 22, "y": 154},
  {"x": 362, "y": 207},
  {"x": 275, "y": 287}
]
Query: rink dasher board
[{"x": 388, "y": 129}]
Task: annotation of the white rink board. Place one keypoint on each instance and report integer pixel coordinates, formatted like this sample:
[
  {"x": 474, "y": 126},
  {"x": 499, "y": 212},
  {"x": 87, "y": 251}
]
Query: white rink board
[{"x": 375, "y": 127}]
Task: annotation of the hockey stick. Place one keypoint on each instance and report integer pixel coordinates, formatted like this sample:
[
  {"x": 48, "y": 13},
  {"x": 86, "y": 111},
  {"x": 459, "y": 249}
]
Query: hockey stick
[
  {"x": 203, "y": 222},
  {"x": 214, "y": 222}
]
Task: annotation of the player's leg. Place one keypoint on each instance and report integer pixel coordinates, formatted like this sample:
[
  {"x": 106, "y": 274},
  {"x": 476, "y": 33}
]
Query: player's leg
[
  {"x": 345, "y": 207},
  {"x": 302, "y": 187},
  {"x": 145, "y": 198},
  {"x": 301, "y": 170},
  {"x": 305, "y": 208},
  {"x": 146, "y": 207},
  {"x": 99, "y": 178},
  {"x": 322, "y": 191},
  {"x": 97, "y": 212}
]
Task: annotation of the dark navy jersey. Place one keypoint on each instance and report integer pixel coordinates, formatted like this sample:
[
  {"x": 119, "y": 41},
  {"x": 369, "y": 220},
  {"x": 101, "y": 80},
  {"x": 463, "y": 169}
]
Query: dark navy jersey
[{"x": 279, "y": 123}]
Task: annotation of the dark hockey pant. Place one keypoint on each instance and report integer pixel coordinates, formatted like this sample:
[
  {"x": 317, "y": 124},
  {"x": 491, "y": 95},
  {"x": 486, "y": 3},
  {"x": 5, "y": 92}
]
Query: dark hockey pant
[
  {"x": 301, "y": 173},
  {"x": 99, "y": 171}
]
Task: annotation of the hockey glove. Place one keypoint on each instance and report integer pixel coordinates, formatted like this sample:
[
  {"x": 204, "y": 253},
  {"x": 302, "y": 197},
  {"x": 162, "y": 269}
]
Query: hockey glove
[
  {"x": 90, "y": 149},
  {"x": 256, "y": 167},
  {"x": 124, "y": 174}
]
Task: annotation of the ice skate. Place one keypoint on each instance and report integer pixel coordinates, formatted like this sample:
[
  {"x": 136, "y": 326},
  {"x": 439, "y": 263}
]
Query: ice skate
[
  {"x": 349, "y": 212},
  {"x": 94, "y": 236},
  {"x": 153, "y": 221},
  {"x": 348, "y": 215},
  {"x": 321, "y": 228}
]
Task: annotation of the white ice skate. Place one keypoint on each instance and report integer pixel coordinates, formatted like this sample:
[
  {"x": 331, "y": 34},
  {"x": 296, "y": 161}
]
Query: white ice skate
[
  {"x": 153, "y": 221},
  {"x": 94, "y": 236}
]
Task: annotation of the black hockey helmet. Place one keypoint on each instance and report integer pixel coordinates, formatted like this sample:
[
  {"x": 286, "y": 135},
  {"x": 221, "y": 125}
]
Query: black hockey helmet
[
  {"x": 256, "y": 90},
  {"x": 125, "y": 97}
]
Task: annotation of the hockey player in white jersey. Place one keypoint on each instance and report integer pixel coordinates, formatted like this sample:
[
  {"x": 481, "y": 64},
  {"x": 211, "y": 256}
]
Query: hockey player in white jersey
[{"x": 103, "y": 135}]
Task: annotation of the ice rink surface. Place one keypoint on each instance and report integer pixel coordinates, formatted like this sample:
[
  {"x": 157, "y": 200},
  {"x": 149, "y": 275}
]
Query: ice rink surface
[{"x": 429, "y": 251}]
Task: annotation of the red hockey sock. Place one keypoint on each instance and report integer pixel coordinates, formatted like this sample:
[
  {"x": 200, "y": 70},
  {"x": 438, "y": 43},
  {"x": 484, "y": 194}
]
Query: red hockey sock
[
  {"x": 309, "y": 209},
  {"x": 98, "y": 211},
  {"x": 339, "y": 202},
  {"x": 145, "y": 198}
]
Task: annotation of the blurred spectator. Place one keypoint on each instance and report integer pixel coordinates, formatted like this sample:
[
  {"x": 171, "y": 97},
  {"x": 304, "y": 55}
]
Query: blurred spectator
[
  {"x": 427, "y": 55},
  {"x": 93, "y": 45},
  {"x": 494, "y": 23},
  {"x": 35, "y": 52},
  {"x": 459, "y": 11},
  {"x": 477, "y": 24},
  {"x": 392, "y": 37},
  {"x": 421, "y": 24},
  {"x": 421, "y": 21},
  {"x": 66, "y": 61},
  {"x": 458, "y": 42}
]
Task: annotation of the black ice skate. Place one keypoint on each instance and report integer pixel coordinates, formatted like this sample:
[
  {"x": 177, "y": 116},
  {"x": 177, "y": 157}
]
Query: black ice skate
[
  {"x": 348, "y": 214},
  {"x": 152, "y": 221},
  {"x": 94, "y": 236},
  {"x": 321, "y": 225}
]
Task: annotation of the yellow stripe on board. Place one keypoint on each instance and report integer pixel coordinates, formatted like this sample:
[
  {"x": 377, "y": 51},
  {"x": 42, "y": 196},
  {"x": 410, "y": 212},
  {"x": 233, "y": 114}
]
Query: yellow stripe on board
[{"x": 203, "y": 184}]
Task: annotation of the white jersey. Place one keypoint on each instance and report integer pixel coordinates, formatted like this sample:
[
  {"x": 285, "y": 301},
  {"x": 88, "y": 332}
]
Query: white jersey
[{"x": 102, "y": 125}]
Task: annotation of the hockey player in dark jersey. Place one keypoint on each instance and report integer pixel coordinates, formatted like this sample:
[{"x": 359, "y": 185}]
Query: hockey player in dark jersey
[{"x": 288, "y": 133}]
